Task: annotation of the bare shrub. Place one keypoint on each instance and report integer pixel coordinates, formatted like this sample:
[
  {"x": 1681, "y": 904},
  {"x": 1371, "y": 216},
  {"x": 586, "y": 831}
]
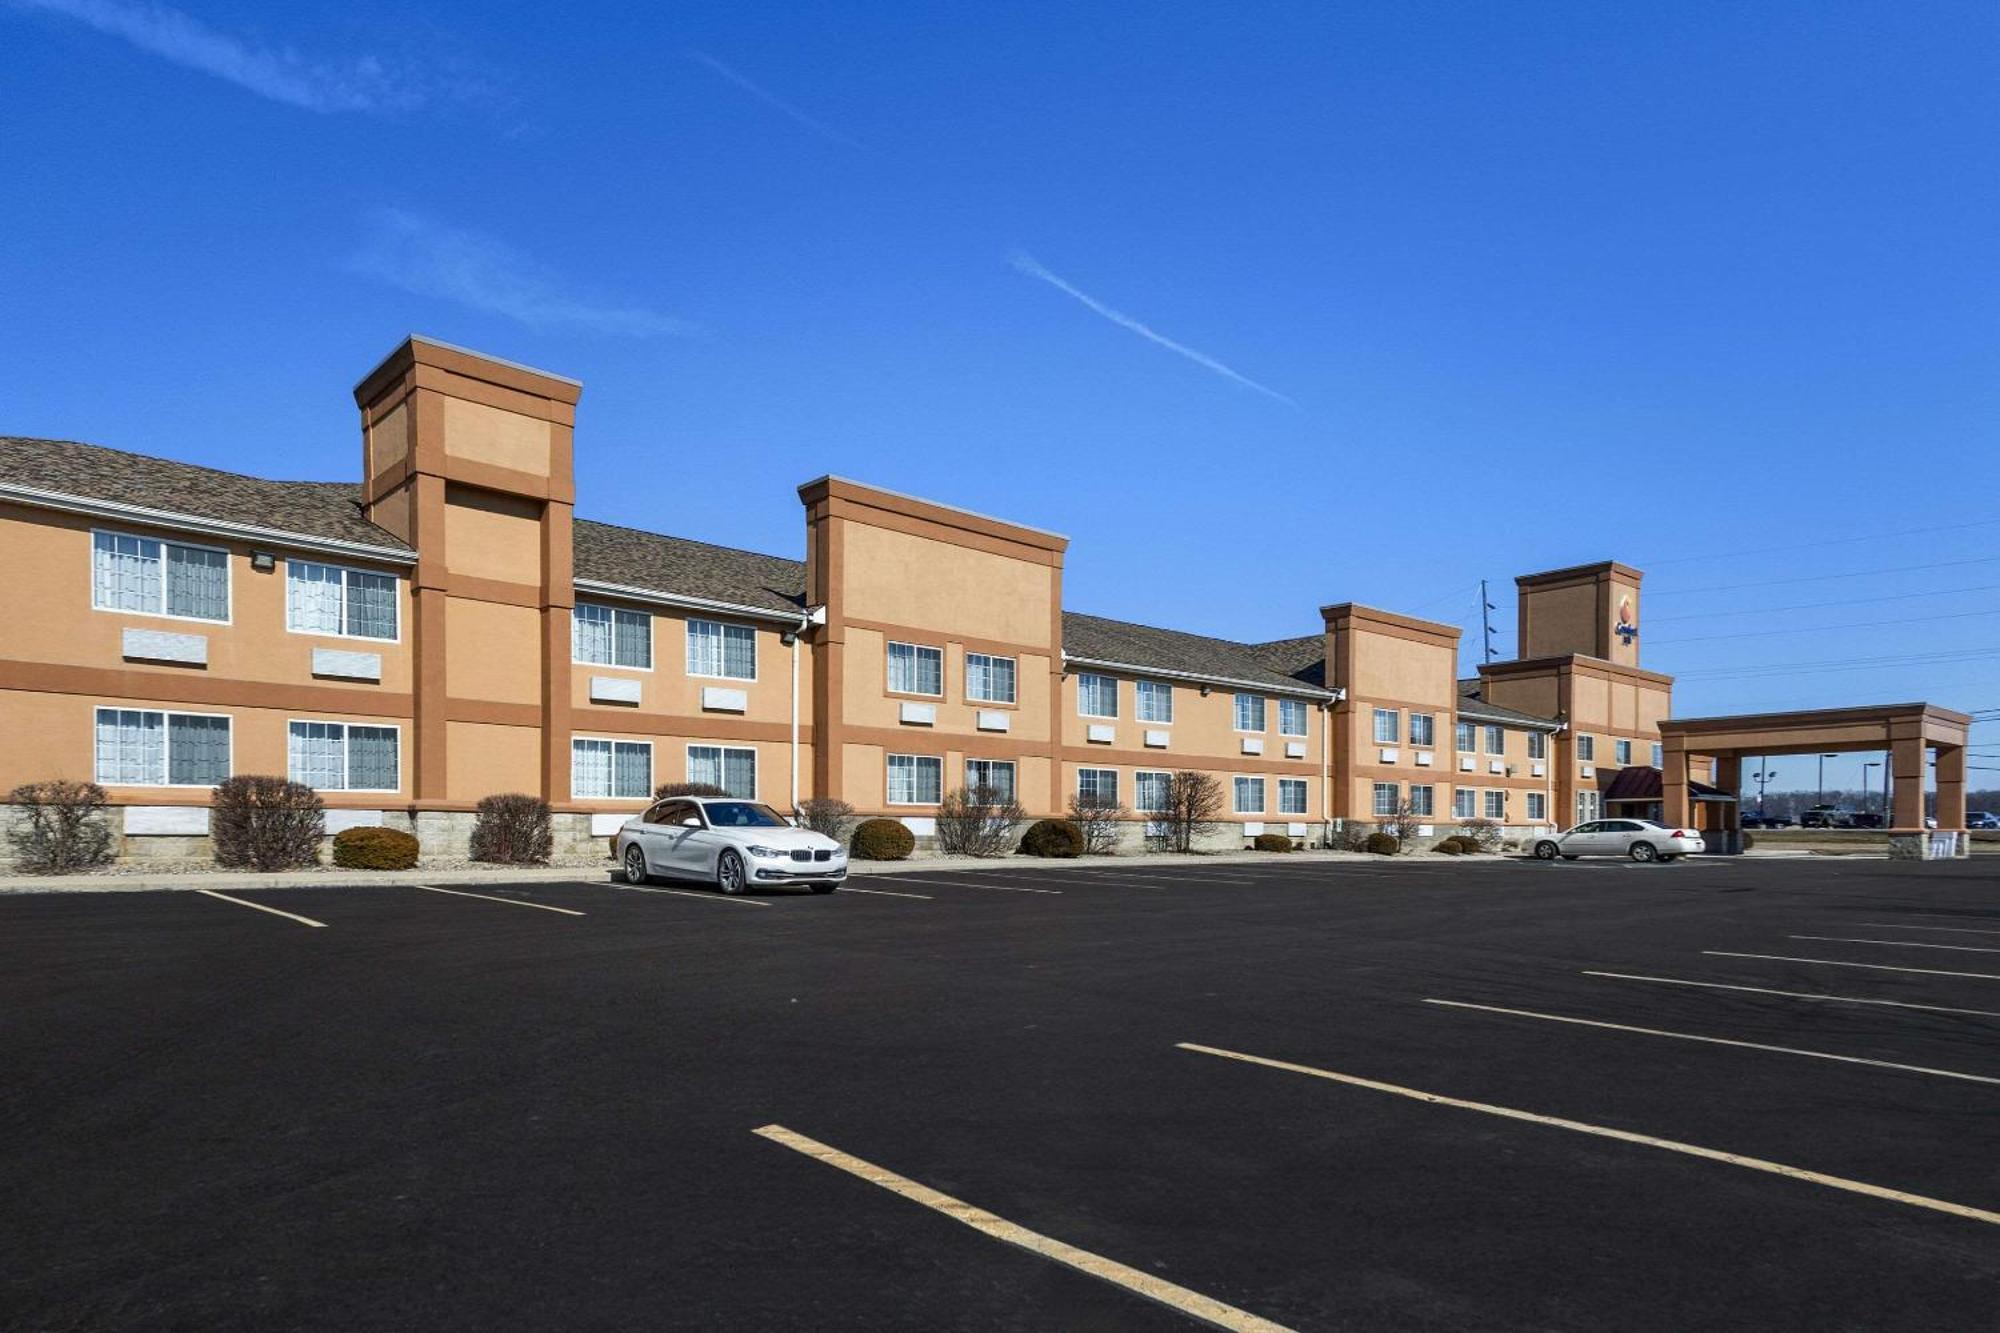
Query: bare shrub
[
  {"x": 1482, "y": 834},
  {"x": 1098, "y": 818},
  {"x": 513, "y": 830},
  {"x": 266, "y": 823},
  {"x": 1403, "y": 825},
  {"x": 977, "y": 821},
  {"x": 61, "y": 827},
  {"x": 1193, "y": 801},
  {"x": 1352, "y": 836},
  {"x": 825, "y": 814}
]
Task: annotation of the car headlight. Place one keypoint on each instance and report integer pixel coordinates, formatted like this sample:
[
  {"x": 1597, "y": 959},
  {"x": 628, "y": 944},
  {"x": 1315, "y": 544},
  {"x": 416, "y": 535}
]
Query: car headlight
[{"x": 765, "y": 851}]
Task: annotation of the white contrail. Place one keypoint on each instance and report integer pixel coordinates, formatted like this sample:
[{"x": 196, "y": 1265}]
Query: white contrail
[
  {"x": 771, "y": 99},
  {"x": 1027, "y": 264}
]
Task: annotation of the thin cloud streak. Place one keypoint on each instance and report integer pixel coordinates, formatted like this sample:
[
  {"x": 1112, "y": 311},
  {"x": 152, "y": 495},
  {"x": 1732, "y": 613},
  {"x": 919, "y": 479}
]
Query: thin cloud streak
[
  {"x": 364, "y": 84},
  {"x": 771, "y": 99},
  {"x": 431, "y": 258},
  {"x": 1026, "y": 263}
]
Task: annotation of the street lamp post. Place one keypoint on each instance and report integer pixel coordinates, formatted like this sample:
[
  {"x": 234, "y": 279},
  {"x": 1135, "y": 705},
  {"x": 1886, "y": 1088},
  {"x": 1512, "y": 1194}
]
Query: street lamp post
[
  {"x": 1763, "y": 776},
  {"x": 1822, "y": 776},
  {"x": 1868, "y": 785}
]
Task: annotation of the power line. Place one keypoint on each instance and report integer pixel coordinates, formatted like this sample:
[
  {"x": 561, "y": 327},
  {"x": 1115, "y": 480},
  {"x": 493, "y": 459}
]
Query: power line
[
  {"x": 1814, "y": 606},
  {"x": 1841, "y": 663},
  {"x": 1806, "y": 546},
  {"x": 1818, "y": 629},
  {"x": 1822, "y": 578}
]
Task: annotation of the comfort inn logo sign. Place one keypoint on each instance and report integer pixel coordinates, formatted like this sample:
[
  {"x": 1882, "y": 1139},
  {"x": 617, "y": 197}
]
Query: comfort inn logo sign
[{"x": 1627, "y": 625}]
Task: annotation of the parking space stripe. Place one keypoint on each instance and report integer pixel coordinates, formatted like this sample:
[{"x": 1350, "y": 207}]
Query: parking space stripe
[
  {"x": 1835, "y": 962},
  {"x": 1621, "y": 1135},
  {"x": 1170, "y": 1294},
  {"x": 885, "y": 893},
  {"x": 1949, "y": 930},
  {"x": 955, "y": 884},
  {"x": 245, "y": 902},
  {"x": 1192, "y": 877},
  {"x": 1904, "y": 944},
  {"x": 1795, "y": 994},
  {"x": 511, "y": 902},
  {"x": 692, "y": 893},
  {"x": 1717, "y": 1041}
]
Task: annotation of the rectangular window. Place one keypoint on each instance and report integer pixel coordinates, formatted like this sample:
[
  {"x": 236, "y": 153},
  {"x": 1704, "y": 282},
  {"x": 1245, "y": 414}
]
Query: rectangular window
[
  {"x": 332, "y": 599},
  {"x": 607, "y": 636},
  {"x": 915, "y": 779},
  {"x": 1249, "y": 796},
  {"x": 1386, "y": 796},
  {"x": 1156, "y": 701},
  {"x": 1097, "y": 784},
  {"x": 1496, "y": 740},
  {"x": 143, "y": 748},
  {"x": 1622, "y": 751},
  {"x": 1423, "y": 800},
  {"x": 732, "y": 768},
  {"x": 1659, "y": 755},
  {"x": 721, "y": 650},
  {"x": 1538, "y": 807},
  {"x": 1292, "y": 796},
  {"x": 1496, "y": 805},
  {"x": 1249, "y": 712},
  {"x": 1388, "y": 726},
  {"x": 1587, "y": 806},
  {"x": 916, "y": 669},
  {"x": 1423, "y": 729},
  {"x": 1096, "y": 696},
  {"x": 1463, "y": 735},
  {"x": 996, "y": 775},
  {"x": 1586, "y": 748},
  {"x": 1291, "y": 717},
  {"x": 1464, "y": 803},
  {"x": 337, "y": 756},
  {"x": 610, "y": 770},
  {"x": 1538, "y": 745},
  {"x": 152, "y": 577},
  {"x": 989, "y": 679},
  {"x": 1150, "y": 791}
]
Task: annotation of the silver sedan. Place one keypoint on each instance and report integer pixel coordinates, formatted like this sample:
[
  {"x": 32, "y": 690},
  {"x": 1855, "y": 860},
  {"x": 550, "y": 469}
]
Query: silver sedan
[{"x": 1640, "y": 839}]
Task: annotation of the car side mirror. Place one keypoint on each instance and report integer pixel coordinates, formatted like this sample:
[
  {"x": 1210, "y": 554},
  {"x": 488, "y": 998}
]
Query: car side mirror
[{"x": 692, "y": 821}]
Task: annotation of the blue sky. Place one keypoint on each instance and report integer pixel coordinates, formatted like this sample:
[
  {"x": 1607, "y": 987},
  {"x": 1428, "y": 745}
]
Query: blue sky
[{"x": 1265, "y": 306}]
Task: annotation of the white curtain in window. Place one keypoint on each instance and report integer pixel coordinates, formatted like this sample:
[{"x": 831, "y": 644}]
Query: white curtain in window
[
  {"x": 1149, "y": 790},
  {"x": 1096, "y": 696},
  {"x": 131, "y": 747},
  {"x": 1291, "y": 796},
  {"x": 1156, "y": 701},
  {"x": 989, "y": 679},
  {"x": 996, "y": 775},
  {"x": 915, "y": 669},
  {"x": 590, "y": 768},
  {"x": 590, "y": 634},
  {"x": 197, "y": 583},
  {"x": 125, "y": 573},
  {"x": 1249, "y": 796},
  {"x": 371, "y": 605},
  {"x": 1385, "y": 798},
  {"x": 318, "y": 755},
  {"x": 715, "y": 649},
  {"x": 1249, "y": 712},
  {"x": 312, "y": 597},
  {"x": 197, "y": 750},
  {"x": 914, "y": 779},
  {"x": 1292, "y": 719},
  {"x": 631, "y": 770},
  {"x": 739, "y": 773}
]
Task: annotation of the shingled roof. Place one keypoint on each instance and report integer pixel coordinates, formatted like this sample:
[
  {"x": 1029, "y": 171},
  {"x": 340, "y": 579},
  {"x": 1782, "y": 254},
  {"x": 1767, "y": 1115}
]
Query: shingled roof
[
  {"x": 1097, "y": 639},
  {"x": 677, "y": 566},
  {"x": 326, "y": 509},
  {"x": 1303, "y": 658},
  {"x": 1474, "y": 708}
]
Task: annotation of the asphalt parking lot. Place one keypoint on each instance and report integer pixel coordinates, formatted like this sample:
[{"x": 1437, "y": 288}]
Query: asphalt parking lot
[{"x": 1719, "y": 1094}]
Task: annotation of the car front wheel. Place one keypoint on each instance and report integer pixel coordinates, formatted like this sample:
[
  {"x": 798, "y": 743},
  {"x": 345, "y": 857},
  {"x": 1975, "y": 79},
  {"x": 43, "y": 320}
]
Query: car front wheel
[
  {"x": 635, "y": 865},
  {"x": 1643, "y": 851},
  {"x": 729, "y": 876},
  {"x": 1546, "y": 851}
]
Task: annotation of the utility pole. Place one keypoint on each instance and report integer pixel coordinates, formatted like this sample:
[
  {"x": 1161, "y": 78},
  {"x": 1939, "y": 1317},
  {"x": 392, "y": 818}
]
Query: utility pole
[
  {"x": 1486, "y": 609},
  {"x": 1762, "y": 777}
]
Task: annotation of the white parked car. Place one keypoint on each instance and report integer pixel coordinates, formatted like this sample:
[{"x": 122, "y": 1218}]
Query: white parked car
[
  {"x": 730, "y": 843},
  {"x": 1640, "y": 839}
]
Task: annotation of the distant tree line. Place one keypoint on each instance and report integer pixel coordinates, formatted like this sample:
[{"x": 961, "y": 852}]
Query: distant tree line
[{"x": 1792, "y": 804}]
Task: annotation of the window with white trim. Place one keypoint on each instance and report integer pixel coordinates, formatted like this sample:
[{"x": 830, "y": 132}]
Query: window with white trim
[
  {"x": 611, "y": 636},
  {"x": 996, "y": 775},
  {"x": 1423, "y": 730},
  {"x": 1588, "y": 806},
  {"x": 1586, "y": 748},
  {"x": 1423, "y": 799},
  {"x": 1388, "y": 726},
  {"x": 1538, "y": 745},
  {"x": 142, "y": 747},
  {"x": 1538, "y": 807},
  {"x": 1387, "y": 794},
  {"x": 1291, "y": 717},
  {"x": 341, "y": 756},
  {"x": 1096, "y": 696},
  {"x": 1097, "y": 784},
  {"x": 607, "y": 770},
  {"x": 1496, "y": 805},
  {"x": 1464, "y": 803},
  {"x": 1659, "y": 755},
  {"x": 336, "y": 600},
  {"x": 721, "y": 650},
  {"x": 1292, "y": 796},
  {"x": 1464, "y": 736},
  {"x": 152, "y": 577},
  {"x": 1156, "y": 701},
  {"x": 989, "y": 679},
  {"x": 1150, "y": 791},
  {"x": 1621, "y": 752},
  {"x": 916, "y": 668},
  {"x": 1249, "y": 712},
  {"x": 1496, "y": 740},
  {"x": 915, "y": 779},
  {"x": 1249, "y": 796},
  {"x": 730, "y": 767}
]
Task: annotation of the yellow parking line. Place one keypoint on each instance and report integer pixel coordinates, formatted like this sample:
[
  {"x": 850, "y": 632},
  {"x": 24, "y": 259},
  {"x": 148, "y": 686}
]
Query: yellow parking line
[
  {"x": 245, "y": 902},
  {"x": 1906, "y": 944},
  {"x": 1717, "y": 1041},
  {"x": 1835, "y": 962},
  {"x": 1794, "y": 994},
  {"x": 693, "y": 893},
  {"x": 1621, "y": 1135},
  {"x": 1170, "y": 1294},
  {"x": 511, "y": 902}
]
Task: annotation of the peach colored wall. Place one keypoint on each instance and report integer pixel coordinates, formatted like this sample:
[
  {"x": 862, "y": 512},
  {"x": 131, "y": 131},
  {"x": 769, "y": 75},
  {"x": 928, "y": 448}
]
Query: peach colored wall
[
  {"x": 905, "y": 579},
  {"x": 670, "y": 763},
  {"x": 1563, "y": 619},
  {"x": 1202, "y": 730},
  {"x": 492, "y": 536},
  {"x": 1386, "y": 667},
  {"x": 492, "y": 652},
  {"x": 485, "y": 760},
  {"x": 868, "y": 702},
  {"x": 669, "y": 691},
  {"x": 484, "y": 434},
  {"x": 387, "y": 441}
]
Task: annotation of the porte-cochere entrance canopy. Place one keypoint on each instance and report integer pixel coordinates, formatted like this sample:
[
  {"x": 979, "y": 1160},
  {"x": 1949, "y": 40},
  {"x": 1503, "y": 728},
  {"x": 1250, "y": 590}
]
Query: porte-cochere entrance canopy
[{"x": 1908, "y": 732}]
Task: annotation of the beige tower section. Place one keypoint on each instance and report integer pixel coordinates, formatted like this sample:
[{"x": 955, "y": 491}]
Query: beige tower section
[
  {"x": 892, "y": 569},
  {"x": 1395, "y": 662},
  {"x": 1588, "y": 609},
  {"x": 468, "y": 459}
]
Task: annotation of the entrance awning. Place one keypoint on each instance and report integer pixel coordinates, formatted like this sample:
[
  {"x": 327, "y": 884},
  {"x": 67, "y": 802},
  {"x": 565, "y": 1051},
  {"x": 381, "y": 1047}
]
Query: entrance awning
[{"x": 1644, "y": 783}]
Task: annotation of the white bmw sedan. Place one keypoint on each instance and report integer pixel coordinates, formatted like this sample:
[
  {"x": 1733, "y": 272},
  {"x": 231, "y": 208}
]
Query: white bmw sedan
[
  {"x": 729, "y": 843},
  {"x": 1640, "y": 839}
]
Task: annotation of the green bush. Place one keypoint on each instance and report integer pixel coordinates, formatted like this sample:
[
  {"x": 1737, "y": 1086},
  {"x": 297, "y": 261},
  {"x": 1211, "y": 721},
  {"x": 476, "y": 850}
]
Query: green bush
[
  {"x": 1271, "y": 842},
  {"x": 1052, "y": 837},
  {"x": 60, "y": 827},
  {"x": 374, "y": 849},
  {"x": 1382, "y": 844},
  {"x": 265, "y": 823},
  {"x": 1748, "y": 842},
  {"x": 882, "y": 840},
  {"x": 512, "y": 830}
]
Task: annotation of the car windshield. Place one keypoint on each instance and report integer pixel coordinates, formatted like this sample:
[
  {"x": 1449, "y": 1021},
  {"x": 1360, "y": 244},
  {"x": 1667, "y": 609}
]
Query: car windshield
[{"x": 743, "y": 814}]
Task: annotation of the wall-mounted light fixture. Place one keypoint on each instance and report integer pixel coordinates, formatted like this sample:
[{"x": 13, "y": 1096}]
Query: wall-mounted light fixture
[{"x": 263, "y": 561}]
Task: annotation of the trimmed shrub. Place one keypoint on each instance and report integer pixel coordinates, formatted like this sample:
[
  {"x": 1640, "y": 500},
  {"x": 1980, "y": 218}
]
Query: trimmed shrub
[
  {"x": 1748, "y": 842},
  {"x": 882, "y": 840},
  {"x": 266, "y": 823},
  {"x": 666, "y": 789},
  {"x": 1381, "y": 844},
  {"x": 1271, "y": 842},
  {"x": 512, "y": 830},
  {"x": 61, "y": 827},
  {"x": 1052, "y": 837},
  {"x": 1451, "y": 847},
  {"x": 374, "y": 849},
  {"x": 824, "y": 814}
]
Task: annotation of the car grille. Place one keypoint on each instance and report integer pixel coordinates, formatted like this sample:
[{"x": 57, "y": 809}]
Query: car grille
[
  {"x": 822, "y": 855},
  {"x": 802, "y": 855}
]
